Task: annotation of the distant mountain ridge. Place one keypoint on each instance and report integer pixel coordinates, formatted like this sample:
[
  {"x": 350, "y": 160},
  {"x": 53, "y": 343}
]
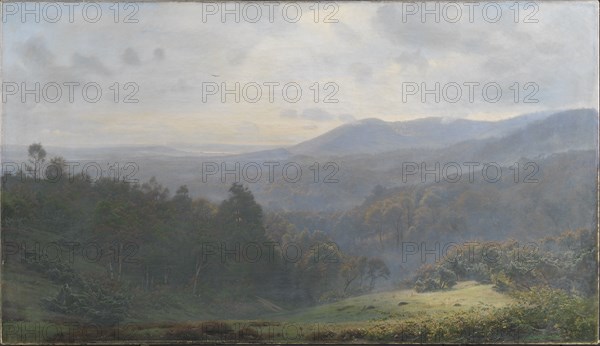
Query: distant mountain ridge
[
  {"x": 363, "y": 158},
  {"x": 371, "y": 136},
  {"x": 367, "y": 136}
]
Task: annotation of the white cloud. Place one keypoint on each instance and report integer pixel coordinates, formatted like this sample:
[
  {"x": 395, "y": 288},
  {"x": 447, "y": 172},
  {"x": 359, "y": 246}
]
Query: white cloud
[{"x": 368, "y": 54}]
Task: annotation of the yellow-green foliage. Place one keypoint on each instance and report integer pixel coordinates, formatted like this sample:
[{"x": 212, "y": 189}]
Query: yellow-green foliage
[{"x": 541, "y": 313}]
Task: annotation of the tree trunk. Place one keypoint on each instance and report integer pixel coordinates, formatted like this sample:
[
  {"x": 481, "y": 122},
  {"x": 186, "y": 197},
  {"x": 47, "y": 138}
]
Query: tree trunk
[
  {"x": 199, "y": 267},
  {"x": 120, "y": 258},
  {"x": 147, "y": 279},
  {"x": 110, "y": 270},
  {"x": 380, "y": 237},
  {"x": 348, "y": 283}
]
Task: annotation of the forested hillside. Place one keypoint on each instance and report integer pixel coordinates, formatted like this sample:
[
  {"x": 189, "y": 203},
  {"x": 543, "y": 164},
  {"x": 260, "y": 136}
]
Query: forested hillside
[{"x": 109, "y": 251}]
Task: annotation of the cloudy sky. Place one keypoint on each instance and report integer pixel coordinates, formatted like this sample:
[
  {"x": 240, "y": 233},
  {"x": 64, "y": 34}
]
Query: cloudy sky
[{"x": 359, "y": 54}]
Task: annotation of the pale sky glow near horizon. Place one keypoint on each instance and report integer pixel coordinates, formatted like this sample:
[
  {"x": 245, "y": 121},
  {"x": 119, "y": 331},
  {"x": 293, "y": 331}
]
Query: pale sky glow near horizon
[{"x": 367, "y": 57}]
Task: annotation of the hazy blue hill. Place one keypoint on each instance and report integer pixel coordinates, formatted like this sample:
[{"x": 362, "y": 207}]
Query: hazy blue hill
[
  {"x": 572, "y": 131},
  {"x": 369, "y": 152},
  {"x": 560, "y": 132},
  {"x": 569, "y": 130},
  {"x": 372, "y": 136}
]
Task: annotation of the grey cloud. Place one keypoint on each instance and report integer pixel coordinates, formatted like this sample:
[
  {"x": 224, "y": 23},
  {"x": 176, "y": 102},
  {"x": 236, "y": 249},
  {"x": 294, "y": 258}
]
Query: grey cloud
[
  {"x": 39, "y": 62},
  {"x": 347, "y": 118},
  {"x": 181, "y": 85},
  {"x": 361, "y": 72},
  {"x": 35, "y": 52},
  {"x": 247, "y": 128},
  {"x": 288, "y": 113},
  {"x": 559, "y": 54},
  {"x": 130, "y": 57},
  {"x": 159, "y": 54},
  {"x": 317, "y": 114},
  {"x": 389, "y": 19},
  {"x": 345, "y": 32},
  {"x": 238, "y": 56},
  {"x": 314, "y": 114},
  {"x": 89, "y": 64},
  {"x": 478, "y": 38},
  {"x": 415, "y": 59}
]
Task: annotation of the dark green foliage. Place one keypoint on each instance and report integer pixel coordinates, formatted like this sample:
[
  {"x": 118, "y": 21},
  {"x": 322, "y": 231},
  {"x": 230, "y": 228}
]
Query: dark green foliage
[
  {"x": 59, "y": 272},
  {"x": 154, "y": 242},
  {"x": 100, "y": 302},
  {"x": 433, "y": 278},
  {"x": 154, "y": 247},
  {"x": 209, "y": 330}
]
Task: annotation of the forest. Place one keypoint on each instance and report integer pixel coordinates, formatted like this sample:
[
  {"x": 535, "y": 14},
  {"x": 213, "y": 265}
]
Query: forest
[{"x": 109, "y": 252}]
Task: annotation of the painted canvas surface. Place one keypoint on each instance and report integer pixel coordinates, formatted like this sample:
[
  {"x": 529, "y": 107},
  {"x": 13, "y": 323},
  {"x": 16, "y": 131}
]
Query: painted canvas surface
[{"x": 299, "y": 172}]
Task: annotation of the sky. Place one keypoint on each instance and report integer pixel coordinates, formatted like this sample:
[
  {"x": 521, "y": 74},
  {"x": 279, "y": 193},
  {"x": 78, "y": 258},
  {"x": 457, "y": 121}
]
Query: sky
[{"x": 350, "y": 61}]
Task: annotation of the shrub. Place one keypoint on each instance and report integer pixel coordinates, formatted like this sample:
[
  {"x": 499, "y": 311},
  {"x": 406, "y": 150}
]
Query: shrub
[
  {"x": 100, "y": 302},
  {"x": 351, "y": 334},
  {"x": 184, "y": 332},
  {"x": 216, "y": 328},
  {"x": 248, "y": 333},
  {"x": 321, "y": 335},
  {"x": 540, "y": 314}
]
